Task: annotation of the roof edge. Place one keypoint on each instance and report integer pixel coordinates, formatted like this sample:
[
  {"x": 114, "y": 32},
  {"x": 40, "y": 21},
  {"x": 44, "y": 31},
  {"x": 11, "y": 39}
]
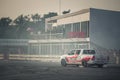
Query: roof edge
[{"x": 69, "y": 14}]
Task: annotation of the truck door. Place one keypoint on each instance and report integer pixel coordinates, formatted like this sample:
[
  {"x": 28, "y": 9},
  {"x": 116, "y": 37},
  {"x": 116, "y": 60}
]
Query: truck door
[{"x": 72, "y": 56}]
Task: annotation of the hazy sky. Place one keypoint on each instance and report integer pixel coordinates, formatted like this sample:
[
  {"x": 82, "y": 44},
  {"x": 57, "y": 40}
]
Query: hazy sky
[{"x": 14, "y": 8}]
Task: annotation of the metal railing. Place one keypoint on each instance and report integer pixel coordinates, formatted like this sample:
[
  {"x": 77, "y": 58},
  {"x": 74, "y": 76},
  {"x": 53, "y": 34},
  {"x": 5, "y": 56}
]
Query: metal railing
[
  {"x": 13, "y": 42},
  {"x": 59, "y": 35},
  {"x": 48, "y": 36}
]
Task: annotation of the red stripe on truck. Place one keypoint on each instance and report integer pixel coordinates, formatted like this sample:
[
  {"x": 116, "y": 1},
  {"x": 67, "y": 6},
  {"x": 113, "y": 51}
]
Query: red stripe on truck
[{"x": 87, "y": 58}]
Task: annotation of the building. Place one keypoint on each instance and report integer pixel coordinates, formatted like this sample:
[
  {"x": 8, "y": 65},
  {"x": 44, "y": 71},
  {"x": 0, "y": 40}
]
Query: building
[
  {"x": 64, "y": 32},
  {"x": 88, "y": 28}
]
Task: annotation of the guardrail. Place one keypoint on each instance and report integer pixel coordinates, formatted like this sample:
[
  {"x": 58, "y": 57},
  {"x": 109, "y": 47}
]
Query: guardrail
[
  {"x": 113, "y": 59},
  {"x": 29, "y": 57},
  {"x": 1, "y": 56}
]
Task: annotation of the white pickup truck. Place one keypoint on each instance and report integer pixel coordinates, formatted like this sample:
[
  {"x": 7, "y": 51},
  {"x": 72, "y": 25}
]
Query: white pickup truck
[{"x": 84, "y": 57}]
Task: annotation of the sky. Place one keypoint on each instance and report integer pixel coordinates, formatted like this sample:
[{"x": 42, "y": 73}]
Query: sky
[{"x": 14, "y": 8}]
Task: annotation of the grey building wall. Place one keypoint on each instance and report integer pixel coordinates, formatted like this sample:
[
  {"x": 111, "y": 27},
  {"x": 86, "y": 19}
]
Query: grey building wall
[{"x": 104, "y": 28}]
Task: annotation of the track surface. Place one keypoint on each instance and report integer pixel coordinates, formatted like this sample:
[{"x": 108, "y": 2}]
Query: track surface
[{"x": 36, "y": 70}]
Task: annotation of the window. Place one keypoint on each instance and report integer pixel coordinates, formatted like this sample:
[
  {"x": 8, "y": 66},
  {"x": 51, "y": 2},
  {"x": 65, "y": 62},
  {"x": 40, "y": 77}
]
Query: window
[
  {"x": 67, "y": 30},
  {"x": 78, "y": 51},
  {"x": 76, "y": 27},
  {"x": 89, "y": 52},
  {"x": 71, "y": 53},
  {"x": 85, "y": 28},
  {"x": 59, "y": 29}
]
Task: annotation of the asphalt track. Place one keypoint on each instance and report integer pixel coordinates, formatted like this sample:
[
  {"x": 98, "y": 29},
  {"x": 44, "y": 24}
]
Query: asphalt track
[{"x": 36, "y": 70}]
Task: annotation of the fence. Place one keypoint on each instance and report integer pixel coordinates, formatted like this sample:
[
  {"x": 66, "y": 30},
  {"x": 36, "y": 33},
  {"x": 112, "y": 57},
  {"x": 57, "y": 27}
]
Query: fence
[
  {"x": 23, "y": 50},
  {"x": 114, "y": 57}
]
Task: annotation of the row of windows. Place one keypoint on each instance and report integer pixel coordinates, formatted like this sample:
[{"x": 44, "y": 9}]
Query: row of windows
[
  {"x": 84, "y": 52},
  {"x": 77, "y": 28}
]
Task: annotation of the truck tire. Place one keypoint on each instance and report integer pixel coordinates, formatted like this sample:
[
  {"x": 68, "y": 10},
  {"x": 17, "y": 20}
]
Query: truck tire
[
  {"x": 84, "y": 63},
  {"x": 63, "y": 63},
  {"x": 100, "y": 65},
  {"x": 77, "y": 65}
]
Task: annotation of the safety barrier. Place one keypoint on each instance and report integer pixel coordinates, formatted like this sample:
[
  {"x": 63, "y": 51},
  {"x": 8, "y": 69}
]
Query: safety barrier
[
  {"x": 33, "y": 57},
  {"x": 1, "y": 56}
]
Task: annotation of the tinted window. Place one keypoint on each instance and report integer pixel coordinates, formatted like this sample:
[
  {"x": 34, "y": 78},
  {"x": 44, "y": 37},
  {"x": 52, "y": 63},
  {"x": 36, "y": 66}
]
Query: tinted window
[
  {"x": 85, "y": 28},
  {"x": 89, "y": 52},
  {"x": 71, "y": 53},
  {"x": 76, "y": 27},
  {"x": 78, "y": 51}
]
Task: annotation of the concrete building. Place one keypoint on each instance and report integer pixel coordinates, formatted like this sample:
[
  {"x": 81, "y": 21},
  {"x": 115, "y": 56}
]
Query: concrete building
[
  {"x": 88, "y": 28},
  {"x": 105, "y": 28}
]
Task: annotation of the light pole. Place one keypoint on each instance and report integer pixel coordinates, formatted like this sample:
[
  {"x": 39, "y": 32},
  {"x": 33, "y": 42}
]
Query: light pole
[{"x": 59, "y": 7}]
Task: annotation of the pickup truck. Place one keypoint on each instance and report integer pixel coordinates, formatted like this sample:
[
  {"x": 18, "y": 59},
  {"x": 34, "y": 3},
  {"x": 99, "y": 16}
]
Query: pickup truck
[{"x": 84, "y": 57}]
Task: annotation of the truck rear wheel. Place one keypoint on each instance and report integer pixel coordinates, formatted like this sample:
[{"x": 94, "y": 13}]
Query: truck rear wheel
[
  {"x": 77, "y": 65},
  {"x": 100, "y": 65},
  {"x": 84, "y": 64},
  {"x": 63, "y": 63}
]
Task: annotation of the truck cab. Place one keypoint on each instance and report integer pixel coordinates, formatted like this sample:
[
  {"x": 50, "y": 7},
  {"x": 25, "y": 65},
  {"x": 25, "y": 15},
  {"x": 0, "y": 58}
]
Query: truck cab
[{"x": 84, "y": 57}]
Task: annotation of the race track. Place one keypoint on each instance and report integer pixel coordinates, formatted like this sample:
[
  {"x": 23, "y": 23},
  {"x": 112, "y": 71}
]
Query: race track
[{"x": 36, "y": 70}]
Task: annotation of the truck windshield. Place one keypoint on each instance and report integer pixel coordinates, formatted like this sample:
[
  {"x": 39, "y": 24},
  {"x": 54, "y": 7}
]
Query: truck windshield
[
  {"x": 78, "y": 51},
  {"x": 89, "y": 52}
]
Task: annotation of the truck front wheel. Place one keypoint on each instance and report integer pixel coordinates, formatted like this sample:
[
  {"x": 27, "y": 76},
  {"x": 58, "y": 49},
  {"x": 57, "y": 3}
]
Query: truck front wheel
[
  {"x": 84, "y": 64},
  {"x": 63, "y": 63},
  {"x": 100, "y": 65}
]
